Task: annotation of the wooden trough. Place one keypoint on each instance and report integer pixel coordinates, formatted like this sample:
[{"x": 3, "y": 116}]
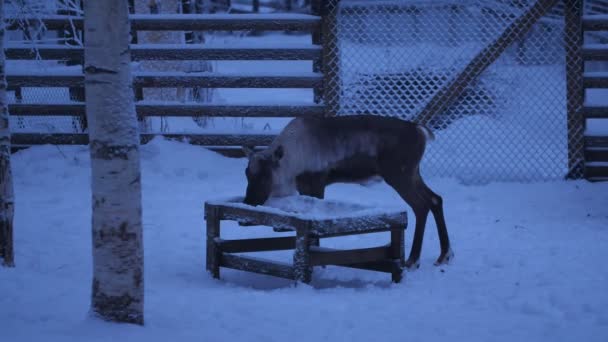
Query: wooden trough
[{"x": 311, "y": 219}]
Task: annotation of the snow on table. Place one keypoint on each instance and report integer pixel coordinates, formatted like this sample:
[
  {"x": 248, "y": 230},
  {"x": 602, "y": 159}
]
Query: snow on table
[{"x": 323, "y": 217}]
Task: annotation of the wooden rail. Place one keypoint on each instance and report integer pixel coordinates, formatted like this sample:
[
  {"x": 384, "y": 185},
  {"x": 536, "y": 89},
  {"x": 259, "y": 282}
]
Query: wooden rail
[
  {"x": 596, "y": 172},
  {"x": 595, "y": 22},
  {"x": 596, "y": 141},
  {"x": 170, "y": 79},
  {"x": 173, "y": 109},
  {"x": 172, "y": 52},
  {"x": 595, "y": 112},
  {"x": 596, "y": 155},
  {"x": 28, "y": 139},
  {"x": 595, "y": 80},
  {"x": 195, "y": 22},
  {"x": 595, "y": 52}
]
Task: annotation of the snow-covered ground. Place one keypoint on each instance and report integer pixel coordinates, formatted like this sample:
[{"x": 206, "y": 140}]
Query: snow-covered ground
[{"x": 529, "y": 266}]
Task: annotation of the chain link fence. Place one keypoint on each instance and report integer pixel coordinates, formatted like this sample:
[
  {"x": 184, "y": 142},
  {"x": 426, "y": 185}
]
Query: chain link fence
[{"x": 488, "y": 77}]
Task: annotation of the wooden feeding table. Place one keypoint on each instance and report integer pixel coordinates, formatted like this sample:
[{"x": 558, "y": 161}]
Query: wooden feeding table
[{"x": 311, "y": 219}]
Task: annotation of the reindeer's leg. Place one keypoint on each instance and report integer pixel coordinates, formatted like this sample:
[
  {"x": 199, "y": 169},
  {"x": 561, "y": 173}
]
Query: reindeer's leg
[
  {"x": 406, "y": 183},
  {"x": 312, "y": 184},
  {"x": 444, "y": 241}
]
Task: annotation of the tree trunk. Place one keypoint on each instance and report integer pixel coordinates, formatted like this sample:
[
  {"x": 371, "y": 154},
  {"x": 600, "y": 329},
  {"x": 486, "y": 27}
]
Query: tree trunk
[
  {"x": 6, "y": 179},
  {"x": 118, "y": 282}
]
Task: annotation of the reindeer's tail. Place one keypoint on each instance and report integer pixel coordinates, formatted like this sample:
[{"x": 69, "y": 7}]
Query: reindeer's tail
[{"x": 428, "y": 134}]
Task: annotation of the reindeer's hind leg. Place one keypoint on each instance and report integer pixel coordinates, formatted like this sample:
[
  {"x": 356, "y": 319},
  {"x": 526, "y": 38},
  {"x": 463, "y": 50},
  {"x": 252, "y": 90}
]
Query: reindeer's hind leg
[
  {"x": 405, "y": 184},
  {"x": 437, "y": 209},
  {"x": 421, "y": 199}
]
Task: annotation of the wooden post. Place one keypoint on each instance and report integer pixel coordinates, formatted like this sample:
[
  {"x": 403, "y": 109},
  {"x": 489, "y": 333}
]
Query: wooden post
[
  {"x": 398, "y": 253},
  {"x": 213, "y": 232},
  {"x": 301, "y": 256},
  {"x": 575, "y": 66},
  {"x": 7, "y": 201},
  {"x": 330, "y": 56}
]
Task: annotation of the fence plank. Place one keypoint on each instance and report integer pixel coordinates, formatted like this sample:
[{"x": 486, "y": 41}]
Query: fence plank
[
  {"x": 595, "y": 79},
  {"x": 29, "y": 139},
  {"x": 45, "y": 52},
  {"x": 596, "y": 171},
  {"x": 596, "y": 141},
  {"x": 158, "y": 80},
  {"x": 177, "y": 110},
  {"x": 595, "y": 112},
  {"x": 595, "y": 22},
  {"x": 595, "y": 52},
  {"x": 172, "y": 52},
  {"x": 596, "y": 155},
  {"x": 196, "y": 22}
]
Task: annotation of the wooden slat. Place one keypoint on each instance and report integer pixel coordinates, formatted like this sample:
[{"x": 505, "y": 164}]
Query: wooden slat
[
  {"x": 596, "y": 171},
  {"x": 595, "y": 80},
  {"x": 46, "y": 80},
  {"x": 596, "y": 155},
  {"x": 257, "y": 265},
  {"x": 230, "y": 151},
  {"x": 174, "y": 52},
  {"x": 229, "y": 81},
  {"x": 380, "y": 266},
  {"x": 257, "y": 245},
  {"x": 329, "y": 256},
  {"x": 193, "y": 110},
  {"x": 196, "y": 22},
  {"x": 28, "y": 139},
  {"x": 46, "y": 109},
  {"x": 225, "y": 53},
  {"x": 595, "y": 52},
  {"x": 176, "y": 110},
  {"x": 595, "y": 22},
  {"x": 596, "y": 141},
  {"x": 595, "y": 112},
  {"x": 158, "y": 80},
  {"x": 50, "y": 52}
]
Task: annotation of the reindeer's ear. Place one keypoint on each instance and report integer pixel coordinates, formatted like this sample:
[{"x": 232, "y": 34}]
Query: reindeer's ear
[
  {"x": 248, "y": 150},
  {"x": 278, "y": 153}
]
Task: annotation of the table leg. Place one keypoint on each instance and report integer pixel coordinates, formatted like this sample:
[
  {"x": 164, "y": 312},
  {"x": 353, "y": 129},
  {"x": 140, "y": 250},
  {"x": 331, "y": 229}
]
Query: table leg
[
  {"x": 398, "y": 252},
  {"x": 301, "y": 257},
  {"x": 213, "y": 252}
]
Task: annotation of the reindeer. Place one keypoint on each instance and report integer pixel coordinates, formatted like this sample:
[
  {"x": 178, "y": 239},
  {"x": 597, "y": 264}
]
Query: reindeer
[{"x": 311, "y": 153}]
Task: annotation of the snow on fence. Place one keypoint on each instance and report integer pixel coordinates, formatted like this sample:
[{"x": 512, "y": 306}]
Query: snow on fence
[{"x": 500, "y": 82}]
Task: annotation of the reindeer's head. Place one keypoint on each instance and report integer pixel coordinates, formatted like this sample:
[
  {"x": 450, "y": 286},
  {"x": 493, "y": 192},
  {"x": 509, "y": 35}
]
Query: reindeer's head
[{"x": 259, "y": 172}]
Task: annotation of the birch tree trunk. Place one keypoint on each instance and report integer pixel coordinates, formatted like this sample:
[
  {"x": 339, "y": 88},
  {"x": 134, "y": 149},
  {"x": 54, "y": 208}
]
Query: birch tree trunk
[
  {"x": 6, "y": 179},
  {"x": 118, "y": 282}
]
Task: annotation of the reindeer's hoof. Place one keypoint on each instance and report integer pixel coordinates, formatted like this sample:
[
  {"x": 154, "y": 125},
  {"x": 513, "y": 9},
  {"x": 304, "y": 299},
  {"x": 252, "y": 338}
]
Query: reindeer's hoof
[
  {"x": 411, "y": 265},
  {"x": 445, "y": 258}
]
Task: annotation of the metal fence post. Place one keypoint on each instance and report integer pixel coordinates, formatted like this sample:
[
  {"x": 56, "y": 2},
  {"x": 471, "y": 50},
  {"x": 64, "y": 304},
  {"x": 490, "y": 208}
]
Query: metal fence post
[
  {"x": 330, "y": 55},
  {"x": 575, "y": 65}
]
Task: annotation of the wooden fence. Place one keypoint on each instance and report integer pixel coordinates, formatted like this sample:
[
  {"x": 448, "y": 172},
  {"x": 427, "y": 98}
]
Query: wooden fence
[
  {"x": 228, "y": 144},
  {"x": 595, "y": 146}
]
